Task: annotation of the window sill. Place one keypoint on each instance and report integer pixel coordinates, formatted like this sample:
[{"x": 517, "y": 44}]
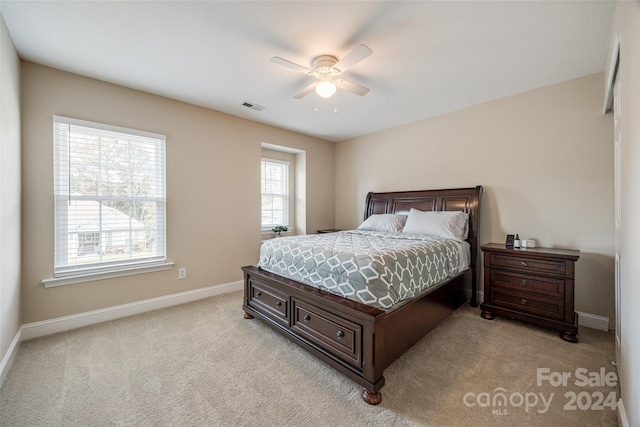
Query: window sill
[
  {"x": 89, "y": 277},
  {"x": 267, "y": 232}
]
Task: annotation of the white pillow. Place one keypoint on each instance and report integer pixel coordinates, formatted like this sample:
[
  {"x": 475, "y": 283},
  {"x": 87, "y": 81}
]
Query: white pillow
[
  {"x": 447, "y": 224},
  {"x": 384, "y": 222}
]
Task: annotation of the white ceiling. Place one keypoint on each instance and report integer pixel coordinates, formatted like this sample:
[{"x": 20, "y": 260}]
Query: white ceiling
[{"x": 428, "y": 58}]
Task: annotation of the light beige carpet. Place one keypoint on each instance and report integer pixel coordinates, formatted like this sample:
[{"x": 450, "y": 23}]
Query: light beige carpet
[{"x": 202, "y": 364}]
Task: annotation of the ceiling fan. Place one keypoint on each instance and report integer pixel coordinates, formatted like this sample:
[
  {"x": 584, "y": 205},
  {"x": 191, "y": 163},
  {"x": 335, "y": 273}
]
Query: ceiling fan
[{"x": 326, "y": 69}]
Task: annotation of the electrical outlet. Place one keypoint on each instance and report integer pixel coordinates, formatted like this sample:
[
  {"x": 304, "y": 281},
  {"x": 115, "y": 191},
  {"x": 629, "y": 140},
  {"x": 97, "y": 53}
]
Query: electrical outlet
[{"x": 182, "y": 273}]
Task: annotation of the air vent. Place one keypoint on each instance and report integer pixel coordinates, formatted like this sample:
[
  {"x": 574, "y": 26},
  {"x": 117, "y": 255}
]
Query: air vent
[{"x": 252, "y": 106}]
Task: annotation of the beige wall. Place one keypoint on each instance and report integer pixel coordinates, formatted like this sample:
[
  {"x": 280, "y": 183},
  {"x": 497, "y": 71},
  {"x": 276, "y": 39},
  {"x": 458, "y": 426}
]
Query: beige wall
[
  {"x": 9, "y": 191},
  {"x": 626, "y": 29},
  {"x": 213, "y": 189},
  {"x": 545, "y": 158}
]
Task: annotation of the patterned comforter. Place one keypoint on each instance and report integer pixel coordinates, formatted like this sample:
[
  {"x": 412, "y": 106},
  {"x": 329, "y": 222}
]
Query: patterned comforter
[{"x": 375, "y": 268}]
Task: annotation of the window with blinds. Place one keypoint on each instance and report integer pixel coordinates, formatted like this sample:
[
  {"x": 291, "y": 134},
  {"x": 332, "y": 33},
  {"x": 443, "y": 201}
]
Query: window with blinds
[
  {"x": 275, "y": 193},
  {"x": 110, "y": 197}
]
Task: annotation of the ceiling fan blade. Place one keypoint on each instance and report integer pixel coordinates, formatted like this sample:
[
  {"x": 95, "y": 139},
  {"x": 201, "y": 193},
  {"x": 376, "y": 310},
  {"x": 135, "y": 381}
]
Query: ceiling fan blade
[
  {"x": 304, "y": 92},
  {"x": 352, "y": 58},
  {"x": 291, "y": 65},
  {"x": 354, "y": 88}
]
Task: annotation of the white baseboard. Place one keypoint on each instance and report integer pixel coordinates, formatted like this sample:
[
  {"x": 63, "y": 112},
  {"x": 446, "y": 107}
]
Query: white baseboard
[
  {"x": 7, "y": 360},
  {"x": 47, "y": 327},
  {"x": 623, "y": 421},
  {"x": 66, "y": 323},
  {"x": 593, "y": 321}
]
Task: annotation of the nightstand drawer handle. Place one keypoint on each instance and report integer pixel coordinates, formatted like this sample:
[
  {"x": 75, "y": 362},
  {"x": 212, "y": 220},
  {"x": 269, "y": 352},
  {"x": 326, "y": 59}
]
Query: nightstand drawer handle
[
  {"x": 306, "y": 318},
  {"x": 524, "y": 282},
  {"x": 340, "y": 335},
  {"x": 523, "y": 263},
  {"x": 279, "y": 303},
  {"x": 524, "y": 301},
  {"x": 258, "y": 294}
]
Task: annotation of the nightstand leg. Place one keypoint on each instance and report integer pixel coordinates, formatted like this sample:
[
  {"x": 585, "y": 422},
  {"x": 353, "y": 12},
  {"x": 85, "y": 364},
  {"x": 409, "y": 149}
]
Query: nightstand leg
[
  {"x": 569, "y": 336},
  {"x": 487, "y": 315}
]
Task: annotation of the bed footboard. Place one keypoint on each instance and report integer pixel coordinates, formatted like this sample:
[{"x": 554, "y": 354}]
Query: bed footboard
[
  {"x": 358, "y": 340},
  {"x": 338, "y": 331}
]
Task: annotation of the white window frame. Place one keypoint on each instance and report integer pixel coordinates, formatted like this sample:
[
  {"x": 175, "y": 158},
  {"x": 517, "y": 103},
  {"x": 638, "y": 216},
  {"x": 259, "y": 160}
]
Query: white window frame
[
  {"x": 67, "y": 272},
  {"x": 286, "y": 197}
]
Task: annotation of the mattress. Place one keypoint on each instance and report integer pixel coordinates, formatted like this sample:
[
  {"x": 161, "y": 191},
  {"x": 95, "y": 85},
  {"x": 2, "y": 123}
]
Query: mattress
[{"x": 379, "y": 269}]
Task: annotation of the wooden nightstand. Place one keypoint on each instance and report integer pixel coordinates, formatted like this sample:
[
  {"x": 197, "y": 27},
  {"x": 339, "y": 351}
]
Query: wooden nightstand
[
  {"x": 328, "y": 230},
  {"x": 535, "y": 285}
]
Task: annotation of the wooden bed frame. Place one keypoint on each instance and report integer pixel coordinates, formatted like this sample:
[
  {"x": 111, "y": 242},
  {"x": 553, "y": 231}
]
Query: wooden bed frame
[{"x": 358, "y": 340}]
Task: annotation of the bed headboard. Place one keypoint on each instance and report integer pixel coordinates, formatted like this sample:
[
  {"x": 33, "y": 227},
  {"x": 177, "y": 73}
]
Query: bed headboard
[{"x": 455, "y": 199}]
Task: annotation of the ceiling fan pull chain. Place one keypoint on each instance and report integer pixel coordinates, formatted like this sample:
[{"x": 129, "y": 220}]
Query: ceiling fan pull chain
[
  {"x": 335, "y": 102},
  {"x": 316, "y": 108}
]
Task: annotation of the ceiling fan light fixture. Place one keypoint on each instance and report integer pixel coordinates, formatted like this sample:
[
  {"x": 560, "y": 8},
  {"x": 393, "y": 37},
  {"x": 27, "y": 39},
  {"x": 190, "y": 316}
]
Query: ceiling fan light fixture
[
  {"x": 327, "y": 69},
  {"x": 326, "y": 87}
]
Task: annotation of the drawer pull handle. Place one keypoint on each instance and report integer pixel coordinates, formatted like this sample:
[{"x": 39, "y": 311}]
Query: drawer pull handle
[
  {"x": 258, "y": 294},
  {"x": 340, "y": 335},
  {"x": 279, "y": 303},
  {"x": 523, "y": 301},
  {"x": 306, "y": 318},
  {"x": 524, "y": 282},
  {"x": 523, "y": 263}
]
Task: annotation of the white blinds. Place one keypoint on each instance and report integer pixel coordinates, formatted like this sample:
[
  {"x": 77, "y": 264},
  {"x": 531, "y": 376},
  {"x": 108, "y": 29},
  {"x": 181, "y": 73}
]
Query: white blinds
[
  {"x": 275, "y": 193},
  {"x": 110, "y": 197}
]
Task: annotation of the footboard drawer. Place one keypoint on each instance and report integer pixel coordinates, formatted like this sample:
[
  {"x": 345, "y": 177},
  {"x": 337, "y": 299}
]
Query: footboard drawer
[
  {"x": 330, "y": 333},
  {"x": 269, "y": 301}
]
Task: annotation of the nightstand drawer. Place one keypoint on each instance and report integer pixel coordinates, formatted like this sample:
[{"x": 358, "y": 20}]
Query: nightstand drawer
[
  {"x": 524, "y": 264},
  {"x": 527, "y": 283},
  {"x": 529, "y": 303}
]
